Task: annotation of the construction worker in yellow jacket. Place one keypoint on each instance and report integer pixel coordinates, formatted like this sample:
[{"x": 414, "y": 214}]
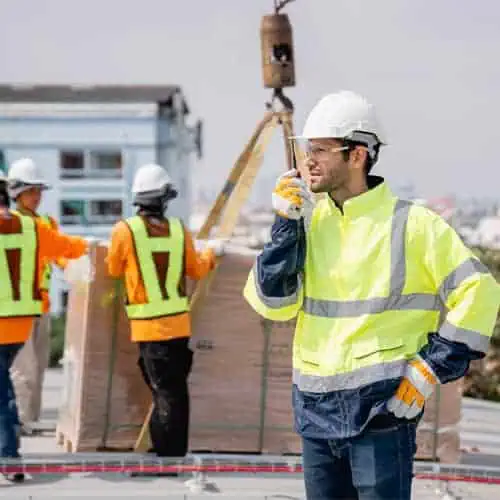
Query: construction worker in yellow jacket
[
  {"x": 25, "y": 245},
  {"x": 26, "y": 184},
  {"x": 388, "y": 302},
  {"x": 155, "y": 254}
]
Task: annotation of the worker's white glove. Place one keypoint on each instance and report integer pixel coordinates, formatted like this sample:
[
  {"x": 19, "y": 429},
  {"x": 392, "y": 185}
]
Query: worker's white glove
[
  {"x": 79, "y": 270},
  {"x": 416, "y": 387},
  {"x": 91, "y": 240},
  {"x": 292, "y": 198},
  {"x": 218, "y": 245}
]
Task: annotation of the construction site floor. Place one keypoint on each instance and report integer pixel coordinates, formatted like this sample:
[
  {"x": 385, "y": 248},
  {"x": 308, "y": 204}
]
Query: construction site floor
[{"x": 480, "y": 438}]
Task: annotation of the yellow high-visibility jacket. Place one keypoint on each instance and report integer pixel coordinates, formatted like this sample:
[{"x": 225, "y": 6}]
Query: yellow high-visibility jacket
[{"x": 371, "y": 286}]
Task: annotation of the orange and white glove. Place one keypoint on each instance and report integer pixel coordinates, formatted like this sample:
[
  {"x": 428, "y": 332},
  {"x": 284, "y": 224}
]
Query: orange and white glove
[
  {"x": 416, "y": 387},
  {"x": 217, "y": 245},
  {"x": 292, "y": 199},
  {"x": 79, "y": 270}
]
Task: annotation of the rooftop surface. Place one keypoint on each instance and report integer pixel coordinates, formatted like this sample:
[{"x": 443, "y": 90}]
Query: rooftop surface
[
  {"x": 480, "y": 437},
  {"x": 87, "y": 93}
]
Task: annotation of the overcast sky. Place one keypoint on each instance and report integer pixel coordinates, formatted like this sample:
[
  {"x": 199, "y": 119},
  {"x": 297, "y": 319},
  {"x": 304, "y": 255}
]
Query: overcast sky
[{"x": 430, "y": 66}]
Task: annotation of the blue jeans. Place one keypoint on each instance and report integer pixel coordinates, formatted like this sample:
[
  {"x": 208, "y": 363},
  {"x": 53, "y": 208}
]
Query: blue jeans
[
  {"x": 376, "y": 465},
  {"x": 9, "y": 419}
]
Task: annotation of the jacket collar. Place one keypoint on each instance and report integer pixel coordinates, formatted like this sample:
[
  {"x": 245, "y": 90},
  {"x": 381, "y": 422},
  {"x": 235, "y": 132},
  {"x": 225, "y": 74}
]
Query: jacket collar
[
  {"x": 378, "y": 195},
  {"x": 26, "y": 211}
]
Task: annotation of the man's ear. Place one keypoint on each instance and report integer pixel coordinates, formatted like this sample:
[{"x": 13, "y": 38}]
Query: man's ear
[{"x": 359, "y": 156}]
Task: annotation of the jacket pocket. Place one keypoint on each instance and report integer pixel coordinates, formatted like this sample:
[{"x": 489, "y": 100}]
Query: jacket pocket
[
  {"x": 375, "y": 345},
  {"x": 308, "y": 357}
]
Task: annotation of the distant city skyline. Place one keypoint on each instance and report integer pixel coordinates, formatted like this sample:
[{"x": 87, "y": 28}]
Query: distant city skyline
[
  {"x": 204, "y": 197},
  {"x": 429, "y": 67}
]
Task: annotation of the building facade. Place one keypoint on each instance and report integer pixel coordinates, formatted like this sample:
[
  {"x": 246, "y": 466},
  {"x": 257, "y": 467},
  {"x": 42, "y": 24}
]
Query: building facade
[{"x": 89, "y": 141}]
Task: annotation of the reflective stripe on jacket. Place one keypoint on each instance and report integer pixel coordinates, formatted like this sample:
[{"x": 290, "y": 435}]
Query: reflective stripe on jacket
[
  {"x": 368, "y": 285},
  {"x": 161, "y": 263}
]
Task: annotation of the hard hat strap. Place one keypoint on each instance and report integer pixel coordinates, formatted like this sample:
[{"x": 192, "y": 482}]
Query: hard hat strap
[
  {"x": 156, "y": 201},
  {"x": 4, "y": 195},
  {"x": 370, "y": 141}
]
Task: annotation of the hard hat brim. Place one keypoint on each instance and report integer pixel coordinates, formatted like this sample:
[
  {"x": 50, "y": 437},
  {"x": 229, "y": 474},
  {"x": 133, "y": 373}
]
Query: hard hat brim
[
  {"x": 15, "y": 191},
  {"x": 307, "y": 138},
  {"x": 41, "y": 185}
]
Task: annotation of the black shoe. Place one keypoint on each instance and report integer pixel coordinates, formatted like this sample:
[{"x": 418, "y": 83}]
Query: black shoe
[
  {"x": 16, "y": 477},
  {"x": 153, "y": 474}
]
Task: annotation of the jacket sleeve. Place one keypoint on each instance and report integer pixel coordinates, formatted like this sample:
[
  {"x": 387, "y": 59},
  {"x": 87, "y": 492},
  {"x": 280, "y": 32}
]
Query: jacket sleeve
[
  {"x": 54, "y": 245},
  {"x": 198, "y": 265},
  {"x": 274, "y": 285},
  {"x": 60, "y": 262},
  {"x": 119, "y": 250},
  {"x": 470, "y": 297}
]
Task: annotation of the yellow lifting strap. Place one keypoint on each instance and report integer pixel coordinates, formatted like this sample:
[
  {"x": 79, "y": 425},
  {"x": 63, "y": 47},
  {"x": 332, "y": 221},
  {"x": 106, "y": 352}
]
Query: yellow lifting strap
[{"x": 226, "y": 211}]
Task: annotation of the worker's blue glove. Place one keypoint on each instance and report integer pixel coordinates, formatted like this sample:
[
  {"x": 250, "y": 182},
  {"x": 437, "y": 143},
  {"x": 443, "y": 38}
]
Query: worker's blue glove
[{"x": 292, "y": 199}]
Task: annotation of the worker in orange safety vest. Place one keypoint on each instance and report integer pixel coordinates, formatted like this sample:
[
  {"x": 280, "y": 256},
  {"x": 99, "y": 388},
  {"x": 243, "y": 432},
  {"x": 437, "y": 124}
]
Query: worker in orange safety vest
[
  {"x": 26, "y": 184},
  {"x": 25, "y": 245},
  {"x": 155, "y": 254}
]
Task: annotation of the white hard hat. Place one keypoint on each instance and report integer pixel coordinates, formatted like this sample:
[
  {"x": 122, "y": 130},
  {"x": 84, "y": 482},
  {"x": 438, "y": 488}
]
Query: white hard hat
[
  {"x": 23, "y": 175},
  {"x": 150, "y": 177},
  {"x": 343, "y": 115}
]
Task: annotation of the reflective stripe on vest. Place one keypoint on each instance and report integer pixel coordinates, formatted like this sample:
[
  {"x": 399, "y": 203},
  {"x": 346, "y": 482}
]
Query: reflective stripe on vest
[
  {"x": 47, "y": 271},
  {"x": 19, "y": 249},
  {"x": 158, "y": 303}
]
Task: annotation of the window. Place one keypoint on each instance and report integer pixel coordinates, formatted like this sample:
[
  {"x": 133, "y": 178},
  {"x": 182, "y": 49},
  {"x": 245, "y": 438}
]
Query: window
[
  {"x": 73, "y": 212},
  {"x": 90, "y": 164},
  {"x": 3, "y": 163},
  {"x": 72, "y": 164},
  {"x": 105, "y": 211},
  {"x": 105, "y": 164},
  {"x": 91, "y": 212}
]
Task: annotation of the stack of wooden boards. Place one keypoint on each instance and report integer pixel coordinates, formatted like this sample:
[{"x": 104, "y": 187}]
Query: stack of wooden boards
[
  {"x": 104, "y": 396},
  {"x": 240, "y": 385},
  {"x": 438, "y": 434}
]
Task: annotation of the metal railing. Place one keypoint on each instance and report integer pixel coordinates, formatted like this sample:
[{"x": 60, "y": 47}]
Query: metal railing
[{"x": 216, "y": 464}]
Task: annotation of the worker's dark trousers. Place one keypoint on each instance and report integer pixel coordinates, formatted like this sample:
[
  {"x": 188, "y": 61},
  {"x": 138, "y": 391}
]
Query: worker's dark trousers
[
  {"x": 377, "y": 465},
  {"x": 9, "y": 418},
  {"x": 165, "y": 366}
]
